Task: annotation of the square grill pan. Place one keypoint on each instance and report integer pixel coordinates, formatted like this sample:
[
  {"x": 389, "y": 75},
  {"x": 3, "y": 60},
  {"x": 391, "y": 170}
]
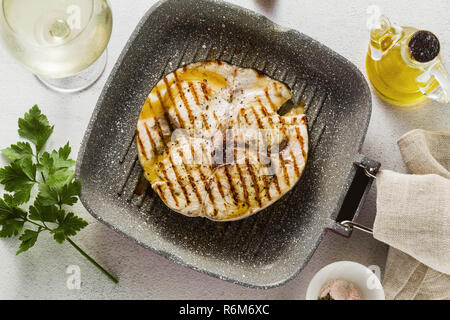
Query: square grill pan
[{"x": 272, "y": 246}]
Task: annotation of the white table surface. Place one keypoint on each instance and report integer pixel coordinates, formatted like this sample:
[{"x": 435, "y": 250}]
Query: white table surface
[{"x": 340, "y": 24}]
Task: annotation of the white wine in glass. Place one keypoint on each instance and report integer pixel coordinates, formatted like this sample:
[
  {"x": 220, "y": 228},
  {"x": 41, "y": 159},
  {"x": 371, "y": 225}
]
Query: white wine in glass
[{"x": 63, "y": 42}]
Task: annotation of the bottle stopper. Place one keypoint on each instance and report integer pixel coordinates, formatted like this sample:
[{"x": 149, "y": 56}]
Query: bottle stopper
[{"x": 424, "y": 46}]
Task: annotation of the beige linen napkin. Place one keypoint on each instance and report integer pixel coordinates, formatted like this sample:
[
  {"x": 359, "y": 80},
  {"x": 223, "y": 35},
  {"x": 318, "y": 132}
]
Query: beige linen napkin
[{"x": 413, "y": 217}]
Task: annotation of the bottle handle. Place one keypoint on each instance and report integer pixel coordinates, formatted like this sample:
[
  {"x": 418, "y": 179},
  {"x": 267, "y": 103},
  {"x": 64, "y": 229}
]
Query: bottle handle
[
  {"x": 383, "y": 36},
  {"x": 436, "y": 83}
]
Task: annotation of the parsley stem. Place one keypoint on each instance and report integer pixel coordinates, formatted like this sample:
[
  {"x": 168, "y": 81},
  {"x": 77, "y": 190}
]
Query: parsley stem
[
  {"x": 37, "y": 161},
  {"x": 37, "y": 224},
  {"x": 92, "y": 261},
  {"x": 79, "y": 250}
]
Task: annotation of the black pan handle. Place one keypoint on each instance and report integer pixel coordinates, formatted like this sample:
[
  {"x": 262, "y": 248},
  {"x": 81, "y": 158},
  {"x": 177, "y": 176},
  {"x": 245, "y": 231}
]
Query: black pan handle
[{"x": 364, "y": 172}]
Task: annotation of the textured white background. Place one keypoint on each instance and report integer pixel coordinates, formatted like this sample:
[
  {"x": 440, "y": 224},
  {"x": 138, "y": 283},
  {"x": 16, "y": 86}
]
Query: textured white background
[{"x": 40, "y": 273}]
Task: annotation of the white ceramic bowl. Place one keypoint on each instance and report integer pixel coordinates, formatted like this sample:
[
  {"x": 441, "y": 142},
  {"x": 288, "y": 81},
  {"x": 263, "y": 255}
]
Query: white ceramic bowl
[{"x": 366, "y": 281}]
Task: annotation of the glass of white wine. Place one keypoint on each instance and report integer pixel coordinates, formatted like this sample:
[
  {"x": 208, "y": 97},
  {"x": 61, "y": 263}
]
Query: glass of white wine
[{"x": 63, "y": 42}]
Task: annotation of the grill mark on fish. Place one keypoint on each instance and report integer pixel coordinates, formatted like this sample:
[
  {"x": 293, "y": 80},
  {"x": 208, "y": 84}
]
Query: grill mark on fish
[
  {"x": 169, "y": 183},
  {"x": 282, "y": 162},
  {"x": 191, "y": 180},
  {"x": 272, "y": 105},
  {"x": 274, "y": 177},
  {"x": 258, "y": 120},
  {"x": 242, "y": 112},
  {"x": 266, "y": 114},
  {"x": 205, "y": 122},
  {"x": 286, "y": 136},
  {"x": 138, "y": 138},
  {"x": 194, "y": 93},
  {"x": 232, "y": 188},
  {"x": 177, "y": 176},
  {"x": 161, "y": 194},
  {"x": 254, "y": 182},
  {"x": 183, "y": 98},
  {"x": 267, "y": 188},
  {"x": 204, "y": 90},
  {"x": 219, "y": 186},
  {"x": 207, "y": 189},
  {"x": 206, "y": 184},
  {"x": 277, "y": 183},
  {"x": 285, "y": 173},
  {"x": 261, "y": 127},
  {"x": 244, "y": 185},
  {"x": 152, "y": 142},
  {"x": 168, "y": 121},
  {"x": 263, "y": 108},
  {"x": 160, "y": 132},
  {"x": 241, "y": 178},
  {"x": 300, "y": 140},
  {"x": 192, "y": 153},
  {"x": 172, "y": 100},
  {"x": 204, "y": 153},
  {"x": 296, "y": 170},
  {"x": 166, "y": 114},
  {"x": 215, "y": 116}
]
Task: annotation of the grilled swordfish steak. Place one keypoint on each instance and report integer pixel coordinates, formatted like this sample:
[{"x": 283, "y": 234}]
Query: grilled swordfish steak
[{"x": 212, "y": 144}]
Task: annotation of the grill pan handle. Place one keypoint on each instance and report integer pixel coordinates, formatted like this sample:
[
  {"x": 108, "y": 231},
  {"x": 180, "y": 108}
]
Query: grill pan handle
[{"x": 363, "y": 174}]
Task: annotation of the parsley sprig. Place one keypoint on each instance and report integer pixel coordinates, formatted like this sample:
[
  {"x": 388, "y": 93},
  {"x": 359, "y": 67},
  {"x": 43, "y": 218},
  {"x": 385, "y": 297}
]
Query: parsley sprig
[{"x": 53, "y": 174}]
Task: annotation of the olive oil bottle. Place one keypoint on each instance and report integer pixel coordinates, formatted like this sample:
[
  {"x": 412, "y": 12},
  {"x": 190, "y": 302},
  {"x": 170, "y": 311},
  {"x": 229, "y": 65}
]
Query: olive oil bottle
[{"x": 404, "y": 65}]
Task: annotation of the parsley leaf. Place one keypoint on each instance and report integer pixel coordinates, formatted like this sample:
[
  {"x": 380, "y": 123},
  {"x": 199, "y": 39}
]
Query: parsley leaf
[
  {"x": 59, "y": 178},
  {"x": 28, "y": 239},
  {"x": 12, "y": 219},
  {"x": 9, "y": 199},
  {"x": 11, "y": 227},
  {"x": 61, "y": 158},
  {"x": 69, "y": 225},
  {"x": 69, "y": 192},
  {"x": 19, "y": 177},
  {"x": 47, "y": 196},
  {"x": 23, "y": 195},
  {"x": 49, "y": 163},
  {"x": 18, "y": 151},
  {"x": 59, "y": 193},
  {"x": 35, "y": 127},
  {"x": 17, "y": 174},
  {"x": 40, "y": 212}
]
